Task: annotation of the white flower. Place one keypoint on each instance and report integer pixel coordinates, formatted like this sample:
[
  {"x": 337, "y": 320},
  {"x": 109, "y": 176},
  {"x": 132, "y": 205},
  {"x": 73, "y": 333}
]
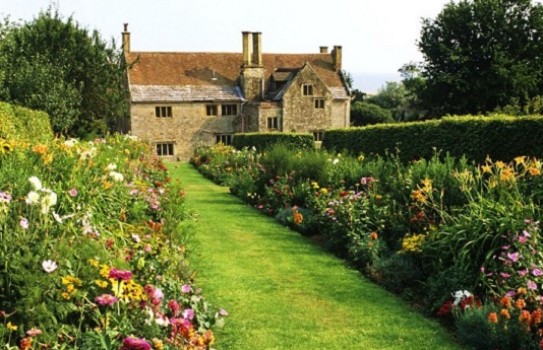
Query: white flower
[
  {"x": 136, "y": 238},
  {"x": 116, "y": 176},
  {"x": 70, "y": 143},
  {"x": 111, "y": 167},
  {"x": 335, "y": 161},
  {"x": 58, "y": 218},
  {"x": 32, "y": 197},
  {"x": 49, "y": 266},
  {"x": 47, "y": 201},
  {"x": 36, "y": 183}
]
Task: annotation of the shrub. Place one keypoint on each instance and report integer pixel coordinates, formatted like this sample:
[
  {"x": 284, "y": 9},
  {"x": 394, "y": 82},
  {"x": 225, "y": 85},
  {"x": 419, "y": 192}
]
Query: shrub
[
  {"x": 24, "y": 124},
  {"x": 262, "y": 141},
  {"x": 363, "y": 113}
]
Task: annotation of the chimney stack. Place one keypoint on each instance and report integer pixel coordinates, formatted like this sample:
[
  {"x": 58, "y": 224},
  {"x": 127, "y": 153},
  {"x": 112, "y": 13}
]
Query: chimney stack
[
  {"x": 336, "y": 58},
  {"x": 257, "y": 49},
  {"x": 126, "y": 39},
  {"x": 323, "y": 49},
  {"x": 247, "y": 48}
]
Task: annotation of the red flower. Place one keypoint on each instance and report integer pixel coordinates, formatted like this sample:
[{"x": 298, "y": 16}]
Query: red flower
[
  {"x": 131, "y": 343},
  {"x": 120, "y": 274},
  {"x": 445, "y": 308}
]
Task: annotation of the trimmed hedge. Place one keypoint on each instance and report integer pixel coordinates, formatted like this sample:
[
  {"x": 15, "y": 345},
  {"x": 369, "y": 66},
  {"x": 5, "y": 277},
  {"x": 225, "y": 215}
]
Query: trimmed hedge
[
  {"x": 500, "y": 137},
  {"x": 262, "y": 141},
  {"x": 18, "y": 122}
]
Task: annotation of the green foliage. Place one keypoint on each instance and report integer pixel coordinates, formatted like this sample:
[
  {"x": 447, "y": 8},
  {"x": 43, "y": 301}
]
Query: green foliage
[
  {"x": 497, "y": 137},
  {"x": 364, "y": 113},
  {"x": 480, "y": 55},
  {"x": 262, "y": 141},
  {"x": 52, "y": 64},
  {"x": 394, "y": 97},
  {"x": 22, "y": 123}
]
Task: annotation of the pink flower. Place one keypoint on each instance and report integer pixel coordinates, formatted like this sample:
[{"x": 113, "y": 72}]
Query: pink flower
[
  {"x": 33, "y": 332},
  {"x": 131, "y": 343},
  {"x": 523, "y": 273},
  {"x": 537, "y": 272},
  {"x": 124, "y": 275},
  {"x": 522, "y": 239},
  {"x": 106, "y": 300},
  {"x": 23, "y": 223},
  {"x": 188, "y": 314},
  {"x": 531, "y": 285},
  {"x": 186, "y": 288},
  {"x": 72, "y": 192},
  {"x": 514, "y": 257},
  {"x": 505, "y": 274}
]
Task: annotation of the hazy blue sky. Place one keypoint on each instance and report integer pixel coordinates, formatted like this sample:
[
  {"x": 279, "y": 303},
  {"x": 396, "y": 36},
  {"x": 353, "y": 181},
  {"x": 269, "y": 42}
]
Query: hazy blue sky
[{"x": 378, "y": 36}]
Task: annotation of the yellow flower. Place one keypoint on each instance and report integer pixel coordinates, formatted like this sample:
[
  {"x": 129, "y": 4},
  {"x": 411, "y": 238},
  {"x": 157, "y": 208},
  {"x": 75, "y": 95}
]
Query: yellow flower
[
  {"x": 104, "y": 271},
  {"x": 315, "y": 185},
  {"x": 419, "y": 196},
  {"x": 487, "y": 169},
  {"x": 378, "y": 197},
  {"x": 323, "y": 191},
  {"x": 66, "y": 280},
  {"x": 158, "y": 344},
  {"x": 66, "y": 295},
  {"x": 520, "y": 160},
  {"x": 413, "y": 243},
  {"x": 499, "y": 164},
  {"x": 427, "y": 185},
  {"x": 101, "y": 284},
  {"x": 11, "y": 327},
  {"x": 107, "y": 185},
  {"x": 94, "y": 262},
  {"x": 70, "y": 288}
]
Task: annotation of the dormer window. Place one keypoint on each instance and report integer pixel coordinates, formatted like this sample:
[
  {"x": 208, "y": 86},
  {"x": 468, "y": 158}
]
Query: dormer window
[{"x": 307, "y": 89}]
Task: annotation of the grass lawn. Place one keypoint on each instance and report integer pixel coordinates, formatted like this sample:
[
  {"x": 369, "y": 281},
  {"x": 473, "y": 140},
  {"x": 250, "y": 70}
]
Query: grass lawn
[{"x": 284, "y": 292}]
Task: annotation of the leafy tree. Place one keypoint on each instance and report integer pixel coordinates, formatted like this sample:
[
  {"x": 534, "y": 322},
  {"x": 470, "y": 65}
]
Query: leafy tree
[
  {"x": 480, "y": 55},
  {"x": 54, "y": 65},
  {"x": 394, "y": 97},
  {"x": 364, "y": 113}
]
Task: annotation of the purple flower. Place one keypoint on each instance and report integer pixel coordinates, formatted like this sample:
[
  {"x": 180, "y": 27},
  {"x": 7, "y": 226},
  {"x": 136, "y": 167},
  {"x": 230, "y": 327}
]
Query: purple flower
[
  {"x": 514, "y": 257},
  {"x": 186, "y": 288},
  {"x": 131, "y": 343},
  {"x": 5, "y": 197},
  {"x": 537, "y": 272},
  {"x": 106, "y": 300},
  {"x": 120, "y": 274},
  {"x": 511, "y": 293},
  {"x": 531, "y": 285}
]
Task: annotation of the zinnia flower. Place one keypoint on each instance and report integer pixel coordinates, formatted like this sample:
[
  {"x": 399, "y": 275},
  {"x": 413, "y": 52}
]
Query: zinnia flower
[
  {"x": 186, "y": 288},
  {"x": 531, "y": 285},
  {"x": 49, "y": 266},
  {"x": 131, "y": 343},
  {"x": 537, "y": 272},
  {"x": 33, "y": 332},
  {"x": 120, "y": 274},
  {"x": 514, "y": 257},
  {"x": 493, "y": 317},
  {"x": 106, "y": 299}
]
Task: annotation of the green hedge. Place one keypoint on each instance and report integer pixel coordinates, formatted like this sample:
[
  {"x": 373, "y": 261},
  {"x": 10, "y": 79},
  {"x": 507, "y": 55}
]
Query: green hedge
[
  {"x": 500, "y": 137},
  {"x": 22, "y": 123},
  {"x": 262, "y": 141}
]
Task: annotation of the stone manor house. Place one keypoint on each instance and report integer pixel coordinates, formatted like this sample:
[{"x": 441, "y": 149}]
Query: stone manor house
[{"x": 181, "y": 100}]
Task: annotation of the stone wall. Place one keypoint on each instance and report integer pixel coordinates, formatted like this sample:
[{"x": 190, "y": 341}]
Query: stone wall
[{"x": 189, "y": 126}]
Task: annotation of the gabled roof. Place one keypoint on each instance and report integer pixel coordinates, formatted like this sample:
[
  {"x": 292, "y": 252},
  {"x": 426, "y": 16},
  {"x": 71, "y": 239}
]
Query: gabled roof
[{"x": 219, "y": 69}]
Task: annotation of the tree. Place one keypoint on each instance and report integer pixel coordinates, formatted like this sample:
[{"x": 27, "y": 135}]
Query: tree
[
  {"x": 392, "y": 96},
  {"x": 54, "y": 65},
  {"x": 480, "y": 55},
  {"x": 364, "y": 113}
]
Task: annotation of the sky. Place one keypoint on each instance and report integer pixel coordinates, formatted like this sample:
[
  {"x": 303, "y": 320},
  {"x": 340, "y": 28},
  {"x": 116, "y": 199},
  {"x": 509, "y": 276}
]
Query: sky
[{"x": 377, "y": 36}]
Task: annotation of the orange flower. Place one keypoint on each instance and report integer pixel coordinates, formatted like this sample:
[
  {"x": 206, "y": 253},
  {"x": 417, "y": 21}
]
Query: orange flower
[
  {"x": 297, "y": 217},
  {"x": 26, "y": 343},
  {"x": 505, "y": 301},
  {"x": 520, "y": 304},
  {"x": 374, "y": 235},
  {"x": 505, "y": 314},
  {"x": 493, "y": 317},
  {"x": 40, "y": 149},
  {"x": 534, "y": 171},
  {"x": 107, "y": 185},
  {"x": 537, "y": 316},
  {"x": 521, "y": 291},
  {"x": 525, "y": 317}
]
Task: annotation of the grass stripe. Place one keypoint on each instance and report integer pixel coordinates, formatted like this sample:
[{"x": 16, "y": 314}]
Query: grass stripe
[{"x": 282, "y": 291}]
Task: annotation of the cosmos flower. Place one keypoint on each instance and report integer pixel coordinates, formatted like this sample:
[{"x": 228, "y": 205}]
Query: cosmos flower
[{"x": 49, "y": 266}]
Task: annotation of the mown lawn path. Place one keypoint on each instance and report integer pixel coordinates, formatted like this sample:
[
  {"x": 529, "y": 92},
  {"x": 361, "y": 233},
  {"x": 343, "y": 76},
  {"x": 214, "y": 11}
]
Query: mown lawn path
[{"x": 282, "y": 291}]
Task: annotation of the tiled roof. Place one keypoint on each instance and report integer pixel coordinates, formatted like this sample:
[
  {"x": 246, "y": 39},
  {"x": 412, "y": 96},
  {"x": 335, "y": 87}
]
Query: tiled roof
[
  {"x": 171, "y": 93},
  {"x": 220, "y": 69}
]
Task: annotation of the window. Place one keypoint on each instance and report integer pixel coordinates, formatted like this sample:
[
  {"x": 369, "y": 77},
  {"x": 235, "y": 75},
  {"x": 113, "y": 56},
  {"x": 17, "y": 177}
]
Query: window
[
  {"x": 164, "y": 149},
  {"x": 317, "y": 135},
  {"x": 229, "y": 110},
  {"x": 273, "y": 123},
  {"x": 163, "y": 111},
  {"x": 211, "y": 110},
  {"x": 224, "y": 139},
  {"x": 319, "y": 103},
  {"x": 308, "y": 90}
]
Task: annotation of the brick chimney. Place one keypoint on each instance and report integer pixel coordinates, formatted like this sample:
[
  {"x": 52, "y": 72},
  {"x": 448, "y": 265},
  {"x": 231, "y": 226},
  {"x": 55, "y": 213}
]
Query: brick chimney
[
  {"x": 323, "y": 49},
  {"x": 126, "y": 39},
  {"x": 336, "y": 58}
]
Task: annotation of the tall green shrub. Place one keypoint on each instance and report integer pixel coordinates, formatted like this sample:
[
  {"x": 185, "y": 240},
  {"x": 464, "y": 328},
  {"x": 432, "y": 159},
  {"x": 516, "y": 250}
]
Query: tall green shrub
[{"x": 262, "y": 141}]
